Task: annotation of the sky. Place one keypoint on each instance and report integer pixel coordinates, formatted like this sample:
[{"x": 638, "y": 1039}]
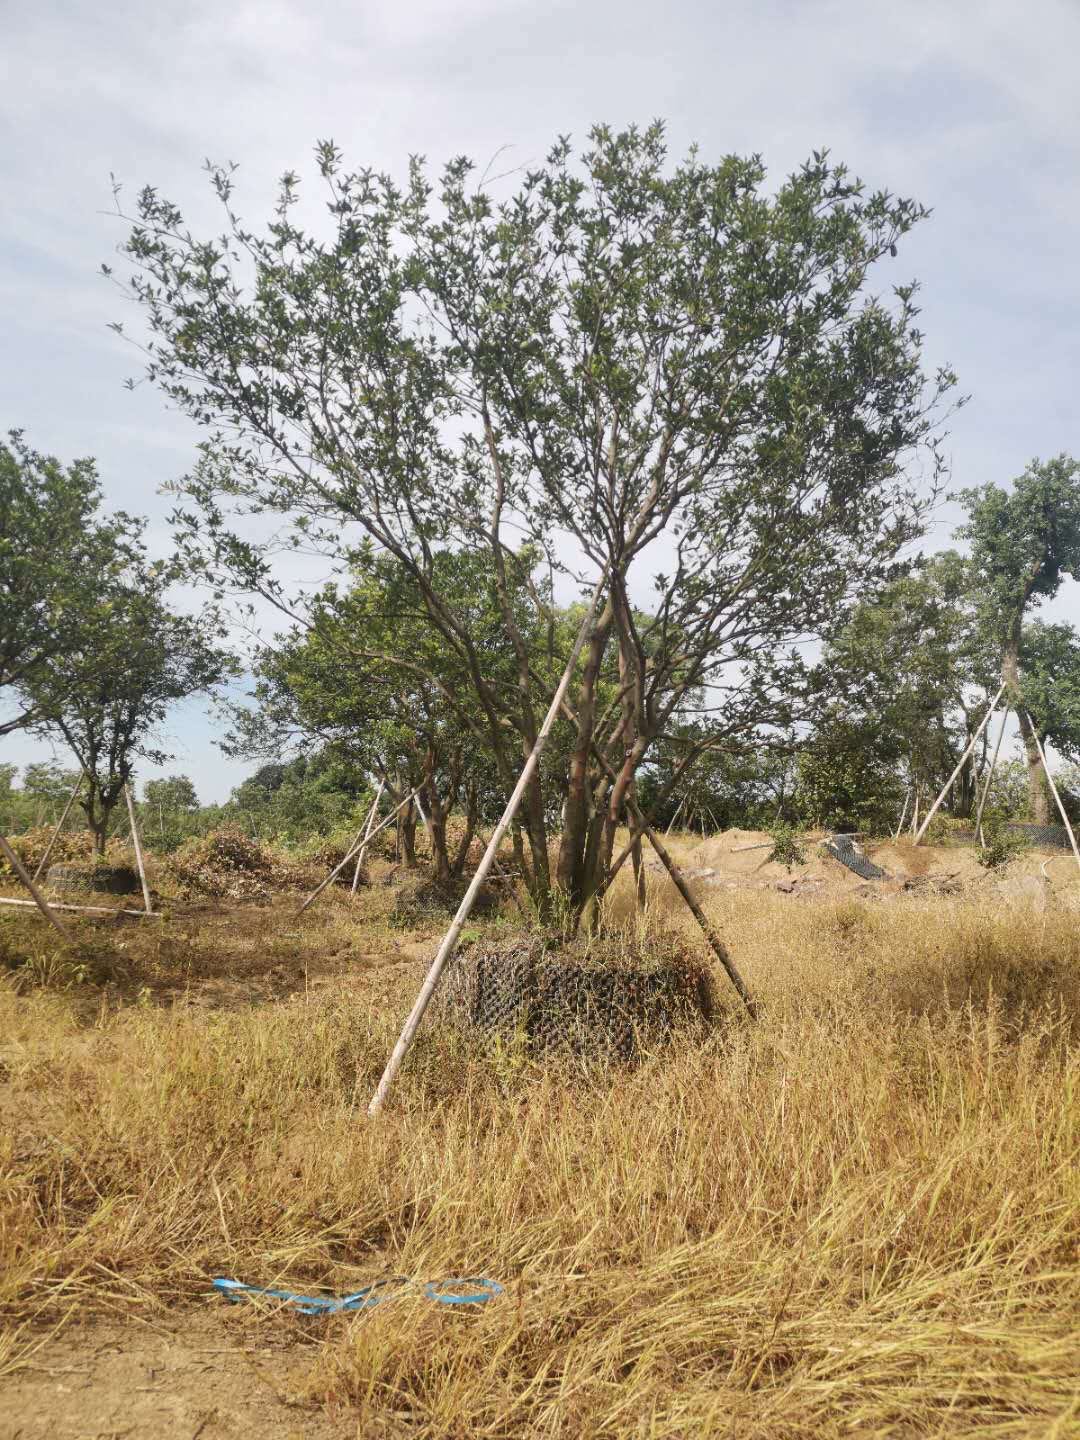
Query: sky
[{"x": 970, "y": 106}]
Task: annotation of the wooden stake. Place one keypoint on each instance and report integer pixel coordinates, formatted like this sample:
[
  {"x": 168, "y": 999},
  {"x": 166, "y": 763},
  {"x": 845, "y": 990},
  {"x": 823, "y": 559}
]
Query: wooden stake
[
  {"x": 89, "y": 909},
  {"x": 990, "y": 776},
  {"x": 138, "y": 849},
  {"x": 39, "y": 899},
  {"x": 960, "y": 764},
  {"x": 716, "y": 945},
  {"x": 450, "y": 939},
  {"x": 367, "y": 832},
  {"x": 359, "y": 840},
  {"x": 642, "y": 827},
  {"x": 49, "y": 848},
  {"x": 1054, "y": 790},
  {"x": 678, "y": 812},
  {"x": 903, "y": 813}
]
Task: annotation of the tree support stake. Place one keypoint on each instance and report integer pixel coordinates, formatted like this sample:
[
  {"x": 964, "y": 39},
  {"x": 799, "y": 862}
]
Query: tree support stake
[
  {"x": 450, "y": 939},
  {"x": 960, "y": 765},
  {"x": 39, "y": 899}
]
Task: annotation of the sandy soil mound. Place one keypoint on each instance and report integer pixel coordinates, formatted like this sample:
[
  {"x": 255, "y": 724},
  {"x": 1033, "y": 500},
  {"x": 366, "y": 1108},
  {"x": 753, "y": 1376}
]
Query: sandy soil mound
[{"x": 739, "y": 860}]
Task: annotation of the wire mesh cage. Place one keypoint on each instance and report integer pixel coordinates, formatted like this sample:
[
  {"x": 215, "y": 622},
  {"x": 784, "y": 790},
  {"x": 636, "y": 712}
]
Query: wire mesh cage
[
  {"x": 88, "y": 879},
  {"x": 552, "y": 1002},
  {"x": 844, "y": 849}
]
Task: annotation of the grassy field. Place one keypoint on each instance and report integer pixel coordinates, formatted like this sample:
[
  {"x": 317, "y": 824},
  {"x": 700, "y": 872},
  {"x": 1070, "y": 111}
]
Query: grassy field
[{"x": 858, "y": 1216}]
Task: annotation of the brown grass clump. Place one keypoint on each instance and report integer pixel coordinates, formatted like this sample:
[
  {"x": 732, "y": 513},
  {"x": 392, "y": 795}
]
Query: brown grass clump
[
  {"x": 30, "y": 846},
  {"x": 858, "y": 1216},
  {"x": 229, "y": 864}
]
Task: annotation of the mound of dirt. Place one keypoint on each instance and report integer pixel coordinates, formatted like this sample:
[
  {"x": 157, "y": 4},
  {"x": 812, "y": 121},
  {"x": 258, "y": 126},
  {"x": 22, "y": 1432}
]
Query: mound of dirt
[{"x": 740, "y": 860}]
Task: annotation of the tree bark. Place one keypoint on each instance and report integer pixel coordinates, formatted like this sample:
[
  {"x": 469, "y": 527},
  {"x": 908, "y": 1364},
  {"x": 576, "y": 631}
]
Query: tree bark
[
  {"x": 571, "y": 869},
  {"x": 1038, "y": 796}
]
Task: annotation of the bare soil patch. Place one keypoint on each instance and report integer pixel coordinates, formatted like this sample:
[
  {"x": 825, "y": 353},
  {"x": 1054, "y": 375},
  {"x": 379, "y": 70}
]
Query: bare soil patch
[{"x": 193, "y": 1374}]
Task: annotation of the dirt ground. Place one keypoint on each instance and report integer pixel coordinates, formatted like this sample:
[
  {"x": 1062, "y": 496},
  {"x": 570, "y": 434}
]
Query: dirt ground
[{"x": 199, "y": 1376}]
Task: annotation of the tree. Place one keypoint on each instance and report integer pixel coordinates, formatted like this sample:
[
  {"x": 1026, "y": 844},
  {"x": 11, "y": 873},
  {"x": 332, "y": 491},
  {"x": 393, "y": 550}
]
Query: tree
[
  {"x": 56, "y": 557},
  {"x": 1023, "y": 542},
  {"x": 901, "y": 689},
  {"x": 175, "y": 793},
  {"x": 366, "y": 675},
  {"x": 106, "y": 697},
  {"x": 666, "y": 381}
]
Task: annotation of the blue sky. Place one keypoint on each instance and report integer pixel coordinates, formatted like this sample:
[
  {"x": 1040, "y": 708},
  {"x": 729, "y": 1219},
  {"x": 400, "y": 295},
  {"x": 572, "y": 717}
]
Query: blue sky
[{"x": 973, "y": 108}]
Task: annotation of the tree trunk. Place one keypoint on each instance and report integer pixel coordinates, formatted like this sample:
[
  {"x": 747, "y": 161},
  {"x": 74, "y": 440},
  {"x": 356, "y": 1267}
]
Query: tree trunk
[
  {"x": 408, "y": 835},
  {"x": 1038, "y": 792},
  {"x": 571, "y": 869},
  {"x": 1038, "y": 795},
  {"x": 471, "y": 815},
  {"x": 98, "y": 814}
]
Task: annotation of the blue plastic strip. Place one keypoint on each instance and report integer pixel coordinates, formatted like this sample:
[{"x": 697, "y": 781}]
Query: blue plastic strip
[{"x": 466, "y": 1290}]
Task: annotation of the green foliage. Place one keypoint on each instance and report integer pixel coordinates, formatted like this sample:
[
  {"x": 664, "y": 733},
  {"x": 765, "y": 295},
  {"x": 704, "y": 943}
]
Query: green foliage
[
  {"x": 846, "y": 781},
  {"x": 57, "y": 558},
  {"x": 312, "y": 795},
  {"x": 689, "y": 783},
  {"x": 1050, "y": 683},
  {"x": 787, "y": 848},
  {"x": 107, "y": 694},
  {"x": 623, "y": 349},
  {"x": 1002, "y": 845},
  {"x": 1025, "y": 540}
]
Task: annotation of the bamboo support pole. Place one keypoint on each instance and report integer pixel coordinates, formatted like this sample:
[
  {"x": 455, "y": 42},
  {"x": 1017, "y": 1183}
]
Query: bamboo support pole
[
  {"x": 960, "y": 764},
  {"x": 989, "y": 777},
  {"x": 903, "y": 813},
  {"x": 359, "y": 840},
  {"x": 56, "y": 833},
  {"x": 89, "y": 909},
  {"x": 642, "y": 827},
  {"x": 678, "y": 812},
  {"x": 39, "y": 899},
  {"x": 367, "y": 831},
  {"x": 450, "y": 939},
  {"x": 138, "y": 849},
  {"x": 1054, "y": 790}
]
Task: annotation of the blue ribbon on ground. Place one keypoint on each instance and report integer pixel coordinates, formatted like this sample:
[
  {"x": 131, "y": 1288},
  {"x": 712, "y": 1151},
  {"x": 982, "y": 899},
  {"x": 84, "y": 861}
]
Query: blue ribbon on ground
[{"x": 458, "y": 1290}]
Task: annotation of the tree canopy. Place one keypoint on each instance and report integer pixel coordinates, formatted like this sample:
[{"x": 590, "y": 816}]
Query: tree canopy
[
  {"x": 110, "y": 689},
  {"x": 674, "y": 378}
]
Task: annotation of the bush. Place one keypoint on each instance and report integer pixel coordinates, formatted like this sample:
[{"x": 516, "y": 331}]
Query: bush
[
  {"x": 228, "y": 864},
  {"x": 1002, "y": 845},
  {"x": 32, "y": 844},
  {"x": 787, "y": 848}
]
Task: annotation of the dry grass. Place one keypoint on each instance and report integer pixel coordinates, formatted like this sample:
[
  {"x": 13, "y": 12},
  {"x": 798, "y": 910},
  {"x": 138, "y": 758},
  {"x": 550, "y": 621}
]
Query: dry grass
[{"x": 860, "y": 1216}]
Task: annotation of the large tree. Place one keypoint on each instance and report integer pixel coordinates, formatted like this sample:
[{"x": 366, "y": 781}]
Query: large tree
[
  {"x": 57, "y": 554},
  {"x": 671, "y": 380},
  {"x": 1024, "y": 541}
]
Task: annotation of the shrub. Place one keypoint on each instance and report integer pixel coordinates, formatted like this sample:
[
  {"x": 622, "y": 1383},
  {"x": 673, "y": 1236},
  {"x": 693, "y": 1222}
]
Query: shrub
[
  {"x": 787, "y": 848},
  {"x": 1002, "y": 844}
]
